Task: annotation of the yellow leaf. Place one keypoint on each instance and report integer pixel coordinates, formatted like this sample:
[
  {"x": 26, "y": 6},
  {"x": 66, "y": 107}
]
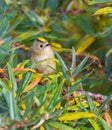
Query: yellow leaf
[
  {"x": 105, "y": 10},
  {"x": 94, "y": 124},
  {"x": 9, "y": 86},
  {"x": 23, "y": 106},
  {"x": 85, "y": 43},
  {"x": 33, "y": 83},
  {"x": 27, "y": 35},
  {"x": 15, "y": 94},
  {"x": 21, "y": 65},
  {"x": 108, "y": 119},
  {"x": 1, "y": 41},
  {"x": 52, "y": 76},
  {"x": 75, "y": 116},
  {"x": 76, "y": 107},
  {"x": 58, "y": 106},
  {"x": 72, "y": 5},
  {"x": 20, "y": 69},
  {"x": 36, "y": 101},
  {"x": 42, "y": 127},
  {"x": 7, "y": 83},
  {"x": 24, "y": 35},
  {"x": 2, "y": 71},
  {"x": 23, "y": 70},
  {"x": 46, "y": 11},
  {"x": 57, "y": 47}
]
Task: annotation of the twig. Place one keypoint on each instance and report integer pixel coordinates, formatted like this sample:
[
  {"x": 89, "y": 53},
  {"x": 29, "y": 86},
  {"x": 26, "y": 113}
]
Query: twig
[{"x": 46, "y": 117}]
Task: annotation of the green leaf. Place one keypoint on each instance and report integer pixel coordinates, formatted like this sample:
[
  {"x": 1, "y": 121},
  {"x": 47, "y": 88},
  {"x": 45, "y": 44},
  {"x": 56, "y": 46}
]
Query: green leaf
[
  {"x": 104, "y": 123},
  {"x": 56, "y": 96},
  {"x": 56, "y": 37},
  {"x": 85, "y": 43},
  {"x": 51, "y": 4},
  {"x": 47, "y": 126},
  {"x": 73, "y": 66},
  {"x": 3, "y": 54},
  {"x": 65, "y": 69},
  {"x": 4, "y": 24},
  {"x": 65, "y": 74},
  {"x": 91, "y": 103},
  {"x": 3, "y": 84},
  {"x": 3, "y": 4},
  {"x": 103, "y": 105},
  {"x": 80, "y": 66},
  {"x": 95, "y": 124},
  {"x": 25, "y": 81},
  {"x": 61, "y": 61},
  {"x": 28, "y": 100},
  {"x": 108, "y": 62},
  {"x": 99, "y": 1},
  {"x": 12, "y": 78},
  {"x": 17, "y": 22},
  {"x": 26, "y": 35},
  {"x": 9, "y": 97},
  {"x": 34, "y": 17},
  {"x": 60, "y": 126},
  {"x": 75, "y": 86},
  {"x": 11, "y": 103},
  {"x": 107, "y": 32},
  {"x": 84, "y": 24}
]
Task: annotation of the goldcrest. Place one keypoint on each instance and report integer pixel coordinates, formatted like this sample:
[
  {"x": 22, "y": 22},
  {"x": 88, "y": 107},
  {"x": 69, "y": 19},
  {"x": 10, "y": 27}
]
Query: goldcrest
[{"x": 43, "y": 56}]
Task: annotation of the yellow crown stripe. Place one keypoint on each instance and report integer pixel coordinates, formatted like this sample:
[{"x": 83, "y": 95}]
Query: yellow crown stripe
[{"x": 41, "y": 39}]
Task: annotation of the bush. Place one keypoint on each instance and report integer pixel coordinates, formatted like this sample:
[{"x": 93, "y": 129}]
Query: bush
[{"x": 31, "y": 100}]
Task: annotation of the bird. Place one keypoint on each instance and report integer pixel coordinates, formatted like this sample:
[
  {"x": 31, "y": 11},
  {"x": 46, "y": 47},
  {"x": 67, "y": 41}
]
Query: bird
[{"x": 43, "y": 56}]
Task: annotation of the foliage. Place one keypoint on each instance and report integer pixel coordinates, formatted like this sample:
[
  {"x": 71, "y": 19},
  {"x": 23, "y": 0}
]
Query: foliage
[{"x": 32, "y": 100}]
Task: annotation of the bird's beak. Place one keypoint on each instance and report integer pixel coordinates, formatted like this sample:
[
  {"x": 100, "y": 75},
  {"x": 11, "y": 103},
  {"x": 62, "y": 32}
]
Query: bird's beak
[{"x": 47, "y": 45}]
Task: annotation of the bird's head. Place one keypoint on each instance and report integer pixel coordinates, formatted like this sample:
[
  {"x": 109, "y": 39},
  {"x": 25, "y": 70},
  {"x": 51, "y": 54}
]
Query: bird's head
[{"x": 41, "y": 46}]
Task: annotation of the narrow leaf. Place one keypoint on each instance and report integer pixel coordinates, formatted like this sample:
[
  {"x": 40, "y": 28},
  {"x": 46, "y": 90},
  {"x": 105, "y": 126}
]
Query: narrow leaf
[
  {"x": 108, "y": 119},
  {"x": 91, "y": 103},
  {"x": 73, "y": 59},
  {"x": 61, "y": 61},
  {"x": 26, "y": 35},
  {"x": 56, "y": 96},
  {"x": 99, "y": 1},
  {"x": 103, "y": 105},
  {"x": 25, "y": 82},
  {"x": 60, "y": 126},
  {"x": 103, "y": 11},
  {"x": 104, "y": 123},
  {"x": 80, "y": 66},
  {"x": 94, "y": 124},
  {"x": 84, "y": 24},
  {"x": 9, "y": 97},
  {"x": 23, "y": 70},
  {"x": 75, "y": 116},
  {"x": 34, "y": 17},
  {"x": 12, "y": 78},
  {"x": 85, "y": 43},
  {"x": 75, "y": 86},
  {"x": 33, "y": 83}
]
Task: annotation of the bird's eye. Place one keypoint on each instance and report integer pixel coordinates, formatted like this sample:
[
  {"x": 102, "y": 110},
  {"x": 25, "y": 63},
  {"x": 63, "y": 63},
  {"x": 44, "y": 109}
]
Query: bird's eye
[{"x": 41, "y": 46}]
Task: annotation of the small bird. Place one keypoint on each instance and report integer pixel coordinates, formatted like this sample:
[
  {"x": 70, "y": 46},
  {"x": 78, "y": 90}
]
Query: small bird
[{"x": 43, "y": 55}]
